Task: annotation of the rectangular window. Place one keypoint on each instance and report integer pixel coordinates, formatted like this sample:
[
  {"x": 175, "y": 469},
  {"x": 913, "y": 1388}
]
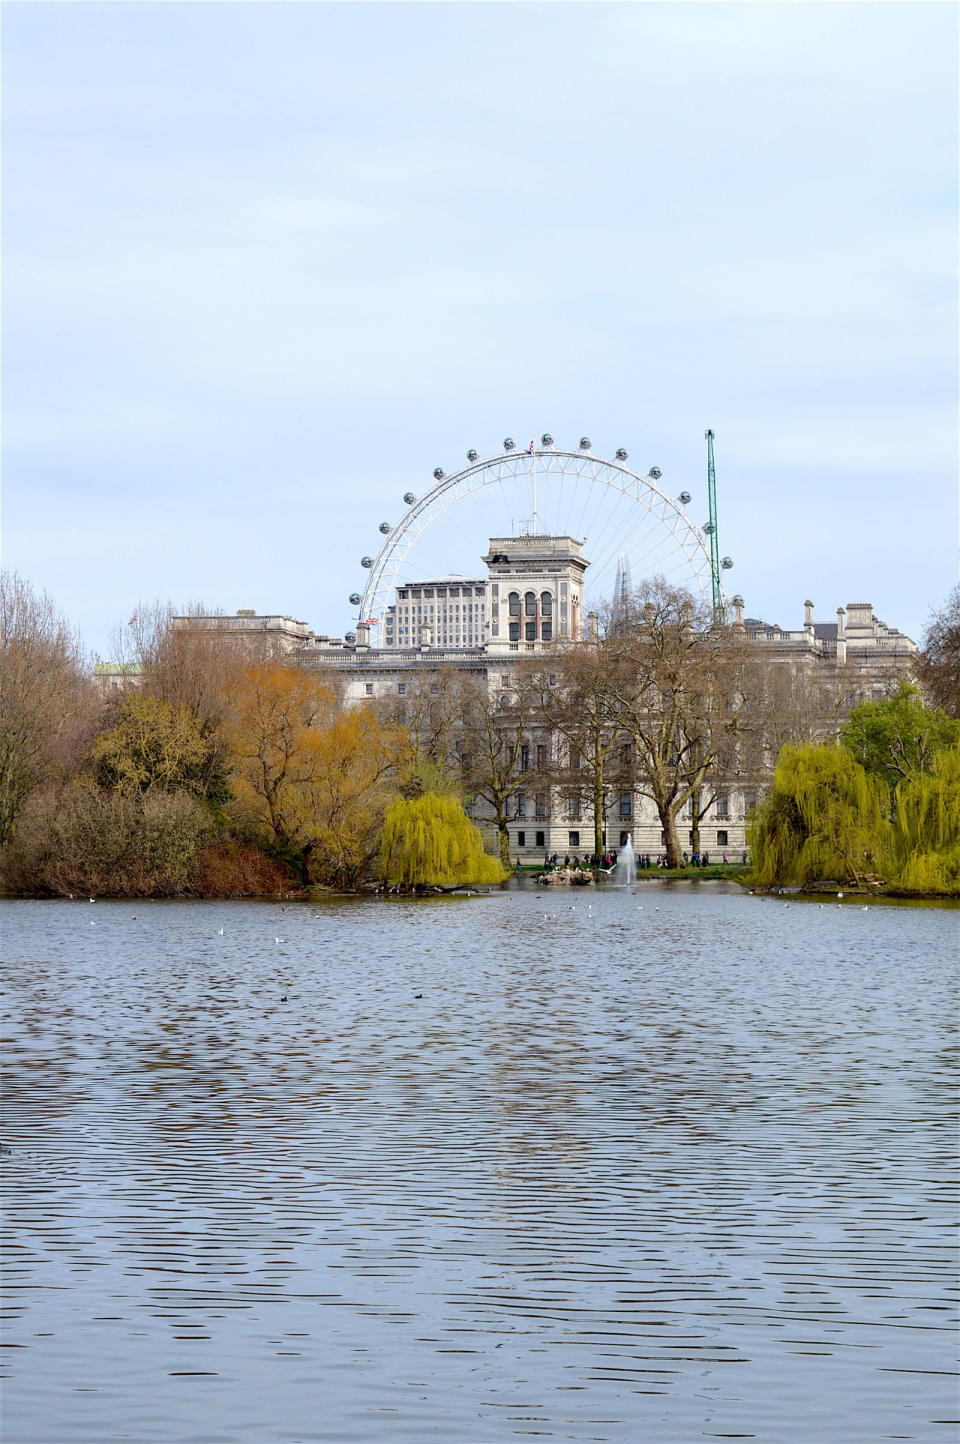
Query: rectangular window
[
  {"x": 749, "y": 801},
  {"x": 541, "y": 836},
  {"x": 574, "y": 759},
  {"x": 514, "y": 631},
  {"x": 541, "y": 804},
  {"x": 721, "y": 839},
  {"x": 723, "y": 807},
  {"x": 529, "y": 631},
  {"x": 573, "y": 838},
  {"x": 541, "y": 755},
  {"x": 626, "y": 804},
  {"x": 573, "y": 806},
  {"x": 368, "y": 688},
  {"x": 524, "y": 757},
  {"x": 521, "y": 804},
  {"x": 521, "y": 839},
  {"x": 402, "y": 688}
]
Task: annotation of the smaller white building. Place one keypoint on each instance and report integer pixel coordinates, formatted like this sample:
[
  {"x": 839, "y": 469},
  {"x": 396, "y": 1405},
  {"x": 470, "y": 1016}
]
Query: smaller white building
[{"x": 439, "y": 612}]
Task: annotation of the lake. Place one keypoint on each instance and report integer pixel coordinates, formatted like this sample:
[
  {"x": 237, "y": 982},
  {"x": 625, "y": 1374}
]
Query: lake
[{"x": 668, "y": 1163}]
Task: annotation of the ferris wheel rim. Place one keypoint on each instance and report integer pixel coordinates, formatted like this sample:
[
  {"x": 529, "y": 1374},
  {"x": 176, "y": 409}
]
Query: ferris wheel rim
[{"x": 689, "y": 537}]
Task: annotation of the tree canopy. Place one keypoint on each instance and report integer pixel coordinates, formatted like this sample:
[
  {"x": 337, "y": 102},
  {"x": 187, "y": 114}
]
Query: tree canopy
[
  {"x": 429, "y": 841},
  {"x": 899, "y": 737}
]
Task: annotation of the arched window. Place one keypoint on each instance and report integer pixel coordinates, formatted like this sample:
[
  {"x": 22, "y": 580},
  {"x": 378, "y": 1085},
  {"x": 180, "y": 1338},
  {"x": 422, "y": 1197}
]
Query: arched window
[
  {"x": 546, "y": 604},
  {"x": 513, "y": 603},
  {"x": 530, "y": 604}
]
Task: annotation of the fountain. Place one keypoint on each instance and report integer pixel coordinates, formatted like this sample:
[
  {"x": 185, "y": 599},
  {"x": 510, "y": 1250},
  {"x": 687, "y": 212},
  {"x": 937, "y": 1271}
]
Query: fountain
[{"x": 626, "y": 865}]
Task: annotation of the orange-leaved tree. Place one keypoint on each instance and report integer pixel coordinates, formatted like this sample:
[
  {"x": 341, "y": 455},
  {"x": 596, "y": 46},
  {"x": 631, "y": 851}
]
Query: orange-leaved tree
[{"x": 311, "y": 777}]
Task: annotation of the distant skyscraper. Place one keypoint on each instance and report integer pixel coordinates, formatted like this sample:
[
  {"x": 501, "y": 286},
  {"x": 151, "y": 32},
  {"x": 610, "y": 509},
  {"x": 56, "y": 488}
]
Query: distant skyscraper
[{"x": 623, "y": 586}]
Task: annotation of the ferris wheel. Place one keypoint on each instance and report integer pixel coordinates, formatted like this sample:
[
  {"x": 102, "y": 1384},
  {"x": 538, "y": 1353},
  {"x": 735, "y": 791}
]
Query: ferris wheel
[{"x": 627, "y": 520}]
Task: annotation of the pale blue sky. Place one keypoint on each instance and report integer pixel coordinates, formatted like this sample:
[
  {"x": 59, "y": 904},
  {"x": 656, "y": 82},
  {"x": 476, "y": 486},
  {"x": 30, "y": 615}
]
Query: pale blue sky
[{"x": 266, "y": 265}]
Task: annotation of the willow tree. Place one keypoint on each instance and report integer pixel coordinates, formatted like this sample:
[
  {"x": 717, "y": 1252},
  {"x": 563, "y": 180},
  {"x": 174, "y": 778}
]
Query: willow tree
[
  {"x": 429, "y": 841},
  {"x": 824, "y": 819},
  {"x": 926, "y": 833}
]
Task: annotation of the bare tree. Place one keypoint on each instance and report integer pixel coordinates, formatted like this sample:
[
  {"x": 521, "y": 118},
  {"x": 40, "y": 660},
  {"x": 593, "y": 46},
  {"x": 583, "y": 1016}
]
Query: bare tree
[
  {"x": 679, "y": 677},
  {"x": 578, "y": 697},
  {"x": 47, "y": 702},
  {"x": 495, "y": 741},
  {"x": 939, "y": 661}
]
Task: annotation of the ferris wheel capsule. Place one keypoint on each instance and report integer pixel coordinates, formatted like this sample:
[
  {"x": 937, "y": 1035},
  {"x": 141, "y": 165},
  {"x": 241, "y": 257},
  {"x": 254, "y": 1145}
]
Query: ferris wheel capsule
[
  {"x": 438, "y": 472},
  {"x": 584, "y": 443},
  {"x": 508, "y": 443},
  {"x": 727, "y": 563},
  {"x": 409, "y": 497},
  {"x": 355, "y": 599},
  {"x": 655, "y": 472},
  {"x": 707, "y": 528},
  {"x": 620, "y": 454},
  {"x": 349, "y": 636},
  {"x": 366, "y": 562},
  {"x": 385, "y": 528},
  {"x": 684, "y": 498},
  {"x": 546, "y": 439},
  {"x": 473, "y": 455}
]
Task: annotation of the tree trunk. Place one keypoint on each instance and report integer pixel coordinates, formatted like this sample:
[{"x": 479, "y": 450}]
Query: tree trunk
[
  {"x": 695, "y": 822},
  {"x": 504, "y": 839},
  {"x": 669, "y": 824},
  {"x": 598, "y": 815}
]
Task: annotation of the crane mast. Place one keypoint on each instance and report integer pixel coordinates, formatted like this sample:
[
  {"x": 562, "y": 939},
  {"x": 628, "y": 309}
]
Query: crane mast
[{"x": 718, "y": 608}]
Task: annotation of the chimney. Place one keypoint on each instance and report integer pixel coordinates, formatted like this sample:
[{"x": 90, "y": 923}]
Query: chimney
[
  {"x": 841, "y": 638},
  {"x": 808, "y": 620},
  {"x": 363, "y": 635}
]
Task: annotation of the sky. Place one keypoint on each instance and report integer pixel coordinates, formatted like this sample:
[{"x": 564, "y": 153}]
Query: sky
[{"x": 266, "y": 265}]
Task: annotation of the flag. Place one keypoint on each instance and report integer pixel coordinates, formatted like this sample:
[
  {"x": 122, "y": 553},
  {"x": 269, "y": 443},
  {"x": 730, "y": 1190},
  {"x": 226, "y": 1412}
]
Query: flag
[
  {"x": 133, "y": 619},
  {"x": 530, "y": 449}
]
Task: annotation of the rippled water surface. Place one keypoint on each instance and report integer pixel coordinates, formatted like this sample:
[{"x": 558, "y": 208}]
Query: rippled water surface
[{"x": 666, "y": 1164}]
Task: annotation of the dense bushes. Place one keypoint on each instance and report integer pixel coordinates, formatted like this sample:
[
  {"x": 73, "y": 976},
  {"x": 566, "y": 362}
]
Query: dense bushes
[{"x": 90, "y": 840}]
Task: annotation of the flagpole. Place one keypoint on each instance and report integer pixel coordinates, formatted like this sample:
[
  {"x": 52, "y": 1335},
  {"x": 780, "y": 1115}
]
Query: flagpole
[{"x": 533, "y": 459}]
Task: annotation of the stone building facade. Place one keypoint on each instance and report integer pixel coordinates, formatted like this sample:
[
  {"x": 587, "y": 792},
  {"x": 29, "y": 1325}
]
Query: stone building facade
[{"x": 533, "y": 605}]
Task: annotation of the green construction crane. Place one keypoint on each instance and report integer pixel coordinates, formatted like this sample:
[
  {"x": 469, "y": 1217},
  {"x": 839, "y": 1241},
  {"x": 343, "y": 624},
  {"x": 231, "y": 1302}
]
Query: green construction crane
[{"x": 719, "y": 611}]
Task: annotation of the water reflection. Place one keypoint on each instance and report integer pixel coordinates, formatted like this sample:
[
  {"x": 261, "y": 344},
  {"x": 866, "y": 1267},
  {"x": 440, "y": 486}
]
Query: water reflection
[{"x": 660, "y": 1165}]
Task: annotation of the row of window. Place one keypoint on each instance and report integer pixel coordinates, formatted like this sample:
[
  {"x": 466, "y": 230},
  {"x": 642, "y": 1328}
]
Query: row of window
[
  {"x": 573, "y": 839},
  {"x": 537, "y": 615}
]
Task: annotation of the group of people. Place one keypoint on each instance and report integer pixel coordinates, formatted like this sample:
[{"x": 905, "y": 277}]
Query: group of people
[{"x": 608, "y": 860}]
